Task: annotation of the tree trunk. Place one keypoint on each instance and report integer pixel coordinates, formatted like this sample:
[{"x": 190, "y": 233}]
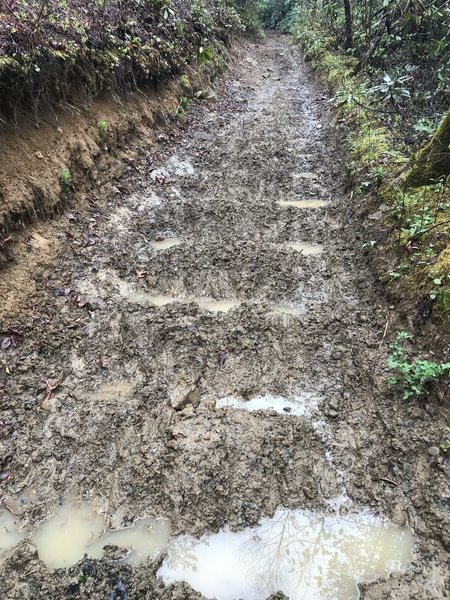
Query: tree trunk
[
  {"x": 348, "y": 25},
  {"x": 433, "y": 161}
]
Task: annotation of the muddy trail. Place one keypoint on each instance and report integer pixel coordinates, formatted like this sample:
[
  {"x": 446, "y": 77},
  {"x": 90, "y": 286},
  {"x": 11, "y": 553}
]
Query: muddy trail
[{"x": 208, "y": 346}]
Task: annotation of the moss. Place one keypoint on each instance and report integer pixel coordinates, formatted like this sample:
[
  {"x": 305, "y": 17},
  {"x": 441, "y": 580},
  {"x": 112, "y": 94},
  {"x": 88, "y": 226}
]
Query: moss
[
  {"x": 433, "y": 161},
  {"x": 369, "y": 144},
  {"x": 186, "y": 83}
]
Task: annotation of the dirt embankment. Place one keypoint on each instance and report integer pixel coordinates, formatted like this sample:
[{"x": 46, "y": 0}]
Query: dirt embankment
[
  {"x": 107, "y": 332},
  {"x": 89, "y": 144}
]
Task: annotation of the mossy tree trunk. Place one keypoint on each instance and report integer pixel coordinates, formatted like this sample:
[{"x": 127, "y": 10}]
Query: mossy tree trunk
[{"x": 433, "y": 161}]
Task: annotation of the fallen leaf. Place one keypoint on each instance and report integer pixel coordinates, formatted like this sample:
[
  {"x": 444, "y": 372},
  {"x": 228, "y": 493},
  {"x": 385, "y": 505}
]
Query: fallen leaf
[
  {"x": 100, "y": 304},
  {"x": 6, "y": 343},
  {"x": 88, "y": 241},
  {"x": 103, "y": 362}
]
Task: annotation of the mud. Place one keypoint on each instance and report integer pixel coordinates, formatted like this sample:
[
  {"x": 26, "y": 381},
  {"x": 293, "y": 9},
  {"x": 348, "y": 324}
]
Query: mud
[{"x": 112, "y": 398}]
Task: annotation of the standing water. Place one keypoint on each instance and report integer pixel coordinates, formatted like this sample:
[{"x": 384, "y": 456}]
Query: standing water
[
  {"x": 304, "y": 554},
  {"x": 75, "y": 530}
]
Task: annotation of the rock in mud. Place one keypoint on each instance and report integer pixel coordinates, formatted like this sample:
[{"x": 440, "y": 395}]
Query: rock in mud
[{"x": 183, "y": 397}]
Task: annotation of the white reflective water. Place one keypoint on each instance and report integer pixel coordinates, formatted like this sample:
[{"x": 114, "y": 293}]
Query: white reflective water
[
  {"x": 218, "y": 305},
  {"x": 306, "y": 249},
  {"x": 298, "y": 406},
  {"x": 75, "y": 530},
  {"x": 11, "y": 532},
  {"x": 303, "y": 203},
  {"x": 307, "y": 555},
  {"x": 165, "y": 244}
]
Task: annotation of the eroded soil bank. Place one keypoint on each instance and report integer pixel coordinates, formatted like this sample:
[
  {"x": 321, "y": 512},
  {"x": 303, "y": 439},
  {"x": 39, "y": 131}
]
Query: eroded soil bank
[{"x": 109, "y": 393}]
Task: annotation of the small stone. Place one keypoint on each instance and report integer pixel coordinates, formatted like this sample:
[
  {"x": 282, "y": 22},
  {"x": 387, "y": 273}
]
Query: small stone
[
  {"x": 185, "y": 396},
  {"x": 433, "y": 451},
  {"x": 336, "y": 355}
]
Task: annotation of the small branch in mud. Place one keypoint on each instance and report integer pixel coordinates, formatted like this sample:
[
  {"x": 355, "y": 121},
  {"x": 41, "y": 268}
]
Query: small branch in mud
[
  {"x": 384, "y": 333},
  {"x": 385, "y": 479},
  {"x": 50, "y": 389}
]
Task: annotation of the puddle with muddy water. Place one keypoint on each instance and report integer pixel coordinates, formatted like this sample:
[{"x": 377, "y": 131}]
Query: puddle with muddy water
[
  {"x": 165, "y": 244},
  {"x": 305, "y": 554},
  {"x": 303, "y": 203},
  {"x": 75, "y": 530}
]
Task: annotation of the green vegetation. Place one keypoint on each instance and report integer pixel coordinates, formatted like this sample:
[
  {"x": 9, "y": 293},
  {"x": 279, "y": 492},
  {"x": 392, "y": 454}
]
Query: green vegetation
[
  {"x": 65, "y": 178},
  {"x": 52, "y": 51},
  {"x": 388, "y": 64},
  {"x": 417, "y": 376},
  {"x": 102, "y": 128},
  {"x": 182, "y": 107}
]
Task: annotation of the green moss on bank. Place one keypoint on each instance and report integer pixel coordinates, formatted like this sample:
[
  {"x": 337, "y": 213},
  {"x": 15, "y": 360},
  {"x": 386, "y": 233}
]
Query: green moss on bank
[{"x": 417, "y": 219}]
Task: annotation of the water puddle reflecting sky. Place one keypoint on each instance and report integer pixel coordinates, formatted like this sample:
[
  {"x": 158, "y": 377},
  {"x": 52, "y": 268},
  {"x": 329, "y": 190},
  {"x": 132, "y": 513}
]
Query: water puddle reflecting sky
[
  {"x": 305, "y": 554},
  {"x": 305, "y": 248},
  {"x": 165, "y": 244},
  {"x": 298, "y": 406}
]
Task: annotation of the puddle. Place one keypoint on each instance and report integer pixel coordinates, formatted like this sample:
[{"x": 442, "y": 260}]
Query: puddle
[
  {"x": 146, "y": 539},
  {"x": 300, "y": 406},
  {"x": 146, "y": 299},
  {"x": 218, "y": 305},
  {"x": 306, "y": 249},
  {"x": 303, "y": 203},
  {"x": 294, "y": 311},
  {"x": 111, "y": 391},
  {"x": 75, "y": 530},
  {"x": 165, "y": 244},
  {"x": 10, "y": 532},
  {"x": 304, "y": 554},
  {"x": 63, "y": 539}
]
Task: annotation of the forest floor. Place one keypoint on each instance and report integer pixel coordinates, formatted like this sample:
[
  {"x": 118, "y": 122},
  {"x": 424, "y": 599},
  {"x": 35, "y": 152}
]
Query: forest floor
[{"x": 117, "y": 428}]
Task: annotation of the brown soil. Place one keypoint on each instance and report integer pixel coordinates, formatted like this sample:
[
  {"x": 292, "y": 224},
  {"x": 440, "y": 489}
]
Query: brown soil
[
  {"x": 78, "y": 294},
  {"x": 34, "y": 153}
]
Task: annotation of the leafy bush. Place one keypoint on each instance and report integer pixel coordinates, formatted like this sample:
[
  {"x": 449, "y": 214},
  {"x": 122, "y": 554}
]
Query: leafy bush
[{"x": 414, "y": 376}]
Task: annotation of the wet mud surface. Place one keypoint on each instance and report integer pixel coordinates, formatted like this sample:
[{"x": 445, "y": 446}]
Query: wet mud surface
[{"x": 119, "y": 353}]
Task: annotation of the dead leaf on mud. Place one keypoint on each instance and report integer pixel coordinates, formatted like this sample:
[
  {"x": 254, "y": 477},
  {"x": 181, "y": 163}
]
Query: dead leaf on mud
[
  {"x": 222, "y": 357},
  {"x": 88, "y": 241},
  {"x": 61, "y": 292},
  {"x": 79, "y": 301},
  {"x": 101, "y": 304},
  {"x": 6, "y": 343},
  {"x": 7, "y": 240},
  {"x": 51, "y": 387},
  {"x": 103, "y": 362}
]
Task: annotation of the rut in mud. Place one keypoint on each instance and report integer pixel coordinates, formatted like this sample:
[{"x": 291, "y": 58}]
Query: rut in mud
[{"x": 155, "y": 349}]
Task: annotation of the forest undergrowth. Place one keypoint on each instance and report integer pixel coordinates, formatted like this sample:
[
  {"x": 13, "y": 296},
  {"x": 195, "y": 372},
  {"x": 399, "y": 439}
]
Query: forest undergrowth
[
  {"x": 53, "y": 53},
  {"x": 387, "y": 63}
]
